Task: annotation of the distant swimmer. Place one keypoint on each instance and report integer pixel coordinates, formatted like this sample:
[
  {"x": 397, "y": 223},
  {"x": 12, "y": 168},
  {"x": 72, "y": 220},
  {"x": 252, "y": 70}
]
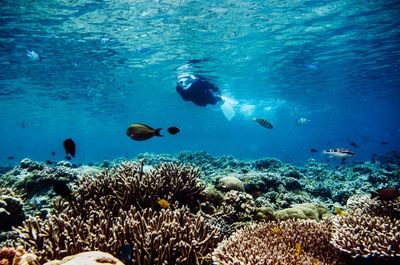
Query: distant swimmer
[
  {"x": 302, "y": 121},
  {"x": 264, "y": 123},
  {"x": 142, "y": 132},
  {"x": 34, "y": 56},
  {"x": 198, "y": 89},
  {"x": 70, "y": 148},
  {"x": 173, "y": 130},
  {"x": 339, "y": 153}
]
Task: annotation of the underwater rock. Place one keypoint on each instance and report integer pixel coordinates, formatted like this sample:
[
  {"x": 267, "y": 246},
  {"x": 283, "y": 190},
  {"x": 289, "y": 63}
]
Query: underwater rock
[
  {"x": 64, "y": 163},
  {"x": 304, "y": 211},
  {"x": 230, "y": 183},
  {"x": 31, "y": 165},
  {"x": 87, "y": 258}
]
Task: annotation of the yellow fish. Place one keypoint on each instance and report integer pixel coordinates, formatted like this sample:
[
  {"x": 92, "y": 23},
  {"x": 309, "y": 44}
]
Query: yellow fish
[
  {"x": 163, "y": 203},
  {"x": 276, "y": 231},
  {"x": 141, "y": 132},
  {"x": 298, "y": 249},
  {"x": 339, "y": 211}
]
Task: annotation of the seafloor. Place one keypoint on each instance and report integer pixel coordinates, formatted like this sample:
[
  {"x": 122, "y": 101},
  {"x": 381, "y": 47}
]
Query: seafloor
[{"x": 193, "y": 208}]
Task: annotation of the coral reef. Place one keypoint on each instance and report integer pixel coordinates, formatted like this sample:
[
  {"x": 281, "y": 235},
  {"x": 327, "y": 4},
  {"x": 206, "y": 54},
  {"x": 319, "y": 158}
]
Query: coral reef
[
  {"x": 11, "y": 209},
  {"x": 17, "y": 256},
  {"x": 275, "y": 243},
  {"x": 370, "y": 228},
  {"x": 128, "y": 185},
  {"x": 167, "y": 236}
]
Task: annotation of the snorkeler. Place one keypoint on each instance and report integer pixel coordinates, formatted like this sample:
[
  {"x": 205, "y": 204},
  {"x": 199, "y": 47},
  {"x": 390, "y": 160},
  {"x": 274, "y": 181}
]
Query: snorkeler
[
  {"x": 197, "y": 89},
  {"x": 201, "y": 91}
]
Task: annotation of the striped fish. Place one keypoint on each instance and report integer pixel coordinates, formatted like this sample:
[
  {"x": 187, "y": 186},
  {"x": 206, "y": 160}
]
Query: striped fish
[{"x": 264, "y": 123}]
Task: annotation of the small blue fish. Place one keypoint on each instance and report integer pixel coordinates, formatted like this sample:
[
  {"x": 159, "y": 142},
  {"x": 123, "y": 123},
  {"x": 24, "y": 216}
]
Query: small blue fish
[
  {"x": 34, "y": 56},
  {"x": 311, "y": 66}
]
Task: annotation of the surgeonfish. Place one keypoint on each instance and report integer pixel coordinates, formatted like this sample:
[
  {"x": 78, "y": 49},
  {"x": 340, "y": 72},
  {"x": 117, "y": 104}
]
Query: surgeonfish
[
  {"x": 142, "y": 132},
  {"x": 173, "y": 130},
  {"x": 61, "y": 188},
  {"x": 34, "y": 56},
  {"x": 386, "y": 194},
  {"x": 302, "y": 121},
  {"x": 339, "y": 153},
  {"x": 70, "y": 148},
  {"x": 264, "y": 123},
  {"x": 339, "y": 211}
]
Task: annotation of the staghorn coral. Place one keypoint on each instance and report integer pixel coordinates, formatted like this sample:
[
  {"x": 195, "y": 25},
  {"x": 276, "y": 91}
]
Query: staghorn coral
[
  {"x": 128, "y": 185},
  {"x": 274, "y": 243},
  {"x": 165, "y": 237},
  {"x": 17, "y": 256},
  {"x": 370, "y": 228}
]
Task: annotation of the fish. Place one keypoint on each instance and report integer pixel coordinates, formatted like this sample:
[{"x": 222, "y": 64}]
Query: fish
[
  {"x": 339, "y": 152},
  {"x": 276, "y": 231},
  {"x": 70, "y": 148},
  {"x": 339, "y": 211},
  {"x": 34, "y": 56},
  {"x": 386, "y": 194},
  {"x": 312, "y": 150},
  {"x": 61, "y": 188},
  {"x": 298, "y": 249},
  {"x": 48, "y": 162},
  {"x": 302, "y": 121},
  {"x": 68, "y": 157},
  {"x": 383, "y": 143},
  {"x": 10, "y": 158},
  {"x": 126, "y": 253},
  {"x": 53, "y": 153},
  {"x": 264, "y": 123},
  {"x": 173, "y": 130},
  {"x": 163, "y": 203},
  {"x": 142, "y": 132},
  {"x": 355, "y": 145}
]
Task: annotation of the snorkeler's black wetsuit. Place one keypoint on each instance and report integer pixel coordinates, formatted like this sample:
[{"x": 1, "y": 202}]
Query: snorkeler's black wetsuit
[{"x": 201, "y": 92}]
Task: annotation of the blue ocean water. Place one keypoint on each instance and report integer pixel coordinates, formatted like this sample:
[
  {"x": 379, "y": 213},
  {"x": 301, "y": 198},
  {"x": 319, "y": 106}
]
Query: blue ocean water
[{"x": 107, "y": 64}]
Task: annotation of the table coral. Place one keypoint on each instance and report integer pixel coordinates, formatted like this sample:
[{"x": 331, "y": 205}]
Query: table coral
[{"x": 275, "y": 243}]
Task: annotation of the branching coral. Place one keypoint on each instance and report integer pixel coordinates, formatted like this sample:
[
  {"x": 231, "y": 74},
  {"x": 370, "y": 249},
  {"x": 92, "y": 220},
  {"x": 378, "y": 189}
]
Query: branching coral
[
  {"x": 127, "y": 185},
  {"x": 371, "y": 228},
  {"x": 275, "y": 243},
  {"x": 165, "y": 237}
]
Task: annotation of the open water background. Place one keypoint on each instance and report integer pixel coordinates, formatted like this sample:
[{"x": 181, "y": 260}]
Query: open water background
[{"x": 107, "y": 64}]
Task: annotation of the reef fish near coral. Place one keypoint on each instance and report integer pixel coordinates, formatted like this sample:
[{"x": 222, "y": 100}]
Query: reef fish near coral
[
  {"x": 70, "y": 147},
  {"x": 173, "y": 130},
  {"x": 264, "y": 123},
  {"x": 142, "y": 132},
  {"x": 339, "y": 152},
  {"x": 61, "y": 188},
  {"x": 386, "y": 194}
]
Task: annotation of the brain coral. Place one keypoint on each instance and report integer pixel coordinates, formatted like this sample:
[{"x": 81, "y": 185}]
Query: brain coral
[
  {"x": 371, "y": 228},
  {"x": 275, "y": 243}
]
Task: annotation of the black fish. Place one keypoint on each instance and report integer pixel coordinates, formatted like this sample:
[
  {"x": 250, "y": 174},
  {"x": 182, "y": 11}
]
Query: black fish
[
  {"x": 264, "y": 123},
  {"x": 353, "y": 144},
  {"x": 126, "y": 253},
  {"x": 61, "y": 188},
  {"x": 10, "y": 158},
  {"x": 53, "y": 153},
  {"x": 173, "y": 130},
  {"x": 383, "y": 143},
  {"x": 69, "y": 146},
  {"x": 312, "y": 150},
  {"x": 68, "y": 157},
  {"x": 386, "y": 194},
  {"x": 48, "y": 162}
]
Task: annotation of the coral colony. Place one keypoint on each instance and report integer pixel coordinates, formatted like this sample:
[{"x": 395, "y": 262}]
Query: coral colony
[{"x": 193, "y": 208}]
